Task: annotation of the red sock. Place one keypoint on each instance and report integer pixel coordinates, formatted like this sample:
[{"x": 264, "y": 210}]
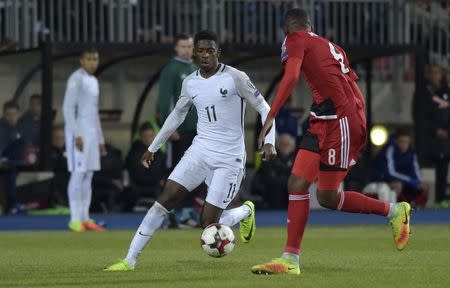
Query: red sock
[
  {"x": 298, "y": 212},
  {"x": 356, "y": 202}
]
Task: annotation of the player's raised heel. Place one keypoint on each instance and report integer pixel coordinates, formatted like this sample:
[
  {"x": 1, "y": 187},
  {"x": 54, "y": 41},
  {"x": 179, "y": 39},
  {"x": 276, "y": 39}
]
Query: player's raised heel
[
  {"x": 400, "y": 224},
  {"x": 247, "y": 226},
  {"x": 120, "y": 265},
  {"x": 276, "y": 266}
]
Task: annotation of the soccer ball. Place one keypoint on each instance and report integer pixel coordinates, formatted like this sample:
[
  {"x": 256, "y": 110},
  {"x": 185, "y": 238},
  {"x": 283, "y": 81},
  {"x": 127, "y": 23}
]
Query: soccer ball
[{"x": 217, "y": 240}]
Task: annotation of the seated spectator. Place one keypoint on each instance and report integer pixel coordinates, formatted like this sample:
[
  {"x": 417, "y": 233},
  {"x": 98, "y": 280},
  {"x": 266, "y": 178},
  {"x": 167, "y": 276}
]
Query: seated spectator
[
  {"x": 29, "y": 127},
  {"x": 145, "y": 182},
  {"x": 11, "y": 150},
  {"x": 107, "y": 184},
  {"x": 58, "y": 164},
  {"x": 270, "y": 180},
  {"x": 9, "y": 130},
  {"x": 30, "y": 122},
  {"x": 396, "y": 164}
]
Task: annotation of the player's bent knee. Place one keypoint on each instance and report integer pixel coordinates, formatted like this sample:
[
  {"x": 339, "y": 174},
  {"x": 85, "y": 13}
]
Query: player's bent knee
[
  {"x": 298, "y": 184},
  {"x": 327, "y": 198}
]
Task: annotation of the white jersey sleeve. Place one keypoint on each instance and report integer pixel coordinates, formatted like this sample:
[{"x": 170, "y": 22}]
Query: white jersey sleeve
[
  {"x": 248, "y": 91},
  {"x": 174, "y": 120},
  {"x": 70, "y": 104}
]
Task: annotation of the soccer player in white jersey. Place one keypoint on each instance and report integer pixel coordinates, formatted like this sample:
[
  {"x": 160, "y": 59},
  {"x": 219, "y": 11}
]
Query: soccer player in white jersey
[
  {"x": 84, "y": 139},
  {"x": 217, "y": 155}
]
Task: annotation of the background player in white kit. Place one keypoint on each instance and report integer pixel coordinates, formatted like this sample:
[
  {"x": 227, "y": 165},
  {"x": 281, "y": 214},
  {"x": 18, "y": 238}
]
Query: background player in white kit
[
  {"x": 84, "y": 139},
  {"x": 217, "y": 154}
]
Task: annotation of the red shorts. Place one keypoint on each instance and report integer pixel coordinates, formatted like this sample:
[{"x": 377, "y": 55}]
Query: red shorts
[{"x": 332, "y": 147}]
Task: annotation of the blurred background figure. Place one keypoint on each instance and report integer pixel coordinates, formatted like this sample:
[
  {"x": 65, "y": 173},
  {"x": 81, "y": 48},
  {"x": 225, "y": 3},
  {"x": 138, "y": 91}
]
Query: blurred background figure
[
  {"x": 9, "y": 130},
  {"x": 58, "y": 160},
  {"x": 30, "y": 128},
  {"x": 107, "y": 183},
  {"x": 397, "y": 165},
  {"x": 270, "y": 180},
  {"x": 438, "y": 92},
  {"x": 11, "y": 149},
  {"x": 84, "y": 139},
  {"x": 144, "y": 182},
  {"x": 170, "y": 82},
  {"x": 30, "y": 122}
]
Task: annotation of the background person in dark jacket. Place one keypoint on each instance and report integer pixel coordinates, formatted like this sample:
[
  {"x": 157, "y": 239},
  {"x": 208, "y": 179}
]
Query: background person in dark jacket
[
  {"x": 145, "y": 182},
  {"x": 30, "y": 127},
  {"x": 30, "y": 122},
  {"x": 58, "y": 162},
  {"x": 439, "y": 93},
  {"x": 11, "y": 150},
  {"x": 270, "y": 181},
  {"x": 397, "y": 165},
  {"x": 107, "y": 183}
]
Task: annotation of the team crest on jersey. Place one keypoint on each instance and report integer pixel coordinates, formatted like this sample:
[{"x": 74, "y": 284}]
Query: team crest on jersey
[{"x": 223, "y": 92}]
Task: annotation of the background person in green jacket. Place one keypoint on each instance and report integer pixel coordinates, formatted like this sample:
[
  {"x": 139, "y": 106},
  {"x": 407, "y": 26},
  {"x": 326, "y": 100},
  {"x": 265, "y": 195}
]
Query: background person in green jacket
[{"x": 170, "y": 82}]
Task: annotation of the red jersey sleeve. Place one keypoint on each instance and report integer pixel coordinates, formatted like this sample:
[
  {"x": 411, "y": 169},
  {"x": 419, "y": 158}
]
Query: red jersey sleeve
[{"x": 292, "y": 56}]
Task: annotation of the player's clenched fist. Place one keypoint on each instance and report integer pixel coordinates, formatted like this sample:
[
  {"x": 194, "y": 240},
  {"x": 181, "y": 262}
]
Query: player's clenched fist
[{"x": 147, "y": 158}]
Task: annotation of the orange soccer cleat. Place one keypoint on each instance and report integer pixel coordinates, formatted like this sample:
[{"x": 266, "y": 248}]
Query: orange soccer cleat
[{"x": 90, "y": 225}]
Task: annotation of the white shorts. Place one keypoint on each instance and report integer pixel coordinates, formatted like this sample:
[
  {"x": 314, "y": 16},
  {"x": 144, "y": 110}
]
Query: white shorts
[
  {"x": 89, "y": 159},
  {"x": 223, "y": 180}
]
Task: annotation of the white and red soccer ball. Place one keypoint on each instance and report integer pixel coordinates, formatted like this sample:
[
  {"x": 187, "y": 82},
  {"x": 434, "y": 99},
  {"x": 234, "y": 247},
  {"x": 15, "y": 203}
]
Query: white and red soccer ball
[{"x": 217, "y": 240}]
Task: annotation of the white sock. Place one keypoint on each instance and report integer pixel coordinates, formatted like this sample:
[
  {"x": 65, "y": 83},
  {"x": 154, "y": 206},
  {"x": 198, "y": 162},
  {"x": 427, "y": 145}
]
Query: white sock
[
  {"x": 294, "y": 258},
  {"x": 151, "y": 222},
  {"x": 75, "y": 195},
  {"x": 391, "y": 210},
  {"x": 86, "y": 188},
  {"x": 233, "y": 216}
]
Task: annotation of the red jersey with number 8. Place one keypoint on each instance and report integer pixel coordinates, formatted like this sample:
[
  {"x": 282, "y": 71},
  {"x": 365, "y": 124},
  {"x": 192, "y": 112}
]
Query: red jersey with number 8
[
  {"x": 337, "y": 128},
  {"x": 326, "y": 70}
]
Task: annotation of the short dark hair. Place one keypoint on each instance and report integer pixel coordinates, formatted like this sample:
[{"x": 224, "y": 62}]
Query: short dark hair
[
  {"x": 181, "y": 36},
  {"x": 35, "y": 97},
  {"x": 145, "y": 126},
  {"x": 401, "y": 132},
  {"x": 298, "y": 17},
  {"x": 88, "y": 50},
  {"x": 10, "y": 104},
  {"x": 205, "y": 35}
]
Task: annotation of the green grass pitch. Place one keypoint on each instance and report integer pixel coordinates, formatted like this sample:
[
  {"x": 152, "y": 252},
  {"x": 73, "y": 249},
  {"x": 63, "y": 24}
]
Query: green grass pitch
[{"x": 333, "y": 257}]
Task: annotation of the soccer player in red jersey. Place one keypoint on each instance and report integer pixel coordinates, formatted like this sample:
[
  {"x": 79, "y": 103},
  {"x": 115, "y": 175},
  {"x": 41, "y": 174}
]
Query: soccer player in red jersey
[{"x": 336, "y": 135}]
